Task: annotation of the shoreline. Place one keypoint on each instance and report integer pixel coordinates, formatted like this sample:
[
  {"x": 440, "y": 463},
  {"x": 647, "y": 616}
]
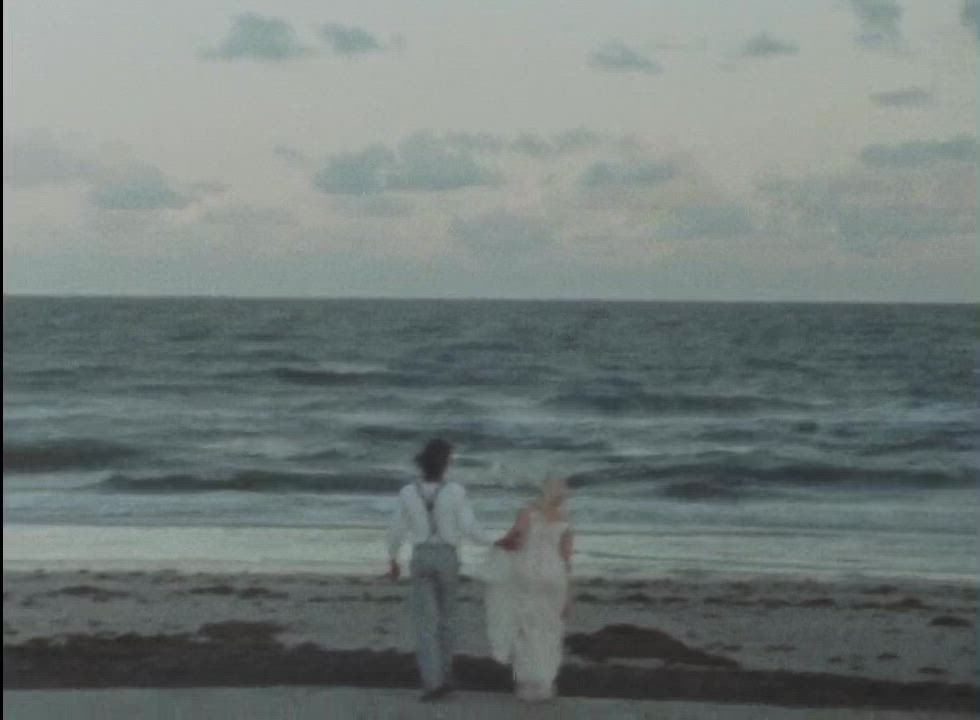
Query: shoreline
[
  {"x": 608, "y": 553},
  {"x": 908, "y": 645}
]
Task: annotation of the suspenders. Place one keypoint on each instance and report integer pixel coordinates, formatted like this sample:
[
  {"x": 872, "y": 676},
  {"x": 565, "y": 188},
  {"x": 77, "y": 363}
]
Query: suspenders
[{"x": 430, "y": 507}]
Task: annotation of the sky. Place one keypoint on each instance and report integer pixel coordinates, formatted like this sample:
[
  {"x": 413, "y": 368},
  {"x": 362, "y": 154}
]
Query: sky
[{"x": 765, "y": 150}]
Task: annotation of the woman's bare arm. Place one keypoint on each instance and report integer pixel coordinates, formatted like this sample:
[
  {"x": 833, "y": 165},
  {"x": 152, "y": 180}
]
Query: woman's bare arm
[
  {"x": 514, "y": 539},
  {"x": 566, "y": 547}
]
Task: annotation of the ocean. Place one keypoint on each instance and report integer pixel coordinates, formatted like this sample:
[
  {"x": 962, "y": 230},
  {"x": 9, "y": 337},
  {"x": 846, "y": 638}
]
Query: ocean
[{"x": 818, "y": 440}]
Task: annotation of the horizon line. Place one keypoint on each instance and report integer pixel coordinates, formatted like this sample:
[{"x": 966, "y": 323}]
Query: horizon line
[{"x": 474, "y": 298}]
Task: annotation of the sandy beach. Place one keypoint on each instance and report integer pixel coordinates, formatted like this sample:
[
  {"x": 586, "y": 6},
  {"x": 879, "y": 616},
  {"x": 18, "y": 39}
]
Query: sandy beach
[
  {"x": 773, "y": 642},
  {"x": 306, "y": 703}
]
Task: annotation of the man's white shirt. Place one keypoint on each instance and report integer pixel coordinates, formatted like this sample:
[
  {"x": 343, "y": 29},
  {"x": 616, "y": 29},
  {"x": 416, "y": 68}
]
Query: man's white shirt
[{"x": 452, "y": 513}]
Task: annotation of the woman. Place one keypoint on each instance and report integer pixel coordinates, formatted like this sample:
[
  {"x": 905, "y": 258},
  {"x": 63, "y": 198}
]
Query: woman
[{"x": 527, "y": 592}]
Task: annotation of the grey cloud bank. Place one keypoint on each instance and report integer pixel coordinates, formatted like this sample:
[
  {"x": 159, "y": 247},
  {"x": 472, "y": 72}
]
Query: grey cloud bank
[
  {"x": 879, "y": 24},
  {"x": 616, "y": 57},
  {"x": 291, "y": 156},
  {"x": 139, "y": 188},
  {"x": 905, "y": 98},
  {"x": 426, "y": 161},
  {"x": 248, "y": 215},
  {"x": 37, "y": 159},
  {"x": 254, "y": 37},
  {"x": 365, "y": 171},
  {"x": 708, "y": 222},
  {"x": 381, "y": 206},
  {"x": 623, "y": 173},
  {"x": 534, "y": 145},
  {"x": 349, "y": 40},
  {"x": 502, "y": 231},
  {"x": 344, "y": 165},
  {"x": 874, "y": 210},
  {"x": 869, "y": 228},
  {"x": 765, "y": 45},
  {"x": 568, "y": 141},
  {"x": 970, "y": 15},
  {"x": 423, "y": 162},
  {"x": 961, "y": 148}
]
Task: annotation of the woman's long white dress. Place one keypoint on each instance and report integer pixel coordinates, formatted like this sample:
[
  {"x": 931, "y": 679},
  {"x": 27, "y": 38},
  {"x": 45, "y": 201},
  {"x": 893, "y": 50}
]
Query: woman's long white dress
[{"x": 525, "y": 596}]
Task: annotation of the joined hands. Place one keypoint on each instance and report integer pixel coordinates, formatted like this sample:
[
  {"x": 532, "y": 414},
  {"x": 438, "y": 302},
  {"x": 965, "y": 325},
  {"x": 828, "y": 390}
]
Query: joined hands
[{"x": 394, "y": 570}]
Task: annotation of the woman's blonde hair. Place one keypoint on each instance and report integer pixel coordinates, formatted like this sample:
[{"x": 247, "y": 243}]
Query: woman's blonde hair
[{"x": 553, "y": 492}]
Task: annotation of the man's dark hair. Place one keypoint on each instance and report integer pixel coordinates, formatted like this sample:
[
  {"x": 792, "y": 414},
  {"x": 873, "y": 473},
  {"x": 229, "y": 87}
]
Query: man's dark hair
[{"x": 433, "y": 459}]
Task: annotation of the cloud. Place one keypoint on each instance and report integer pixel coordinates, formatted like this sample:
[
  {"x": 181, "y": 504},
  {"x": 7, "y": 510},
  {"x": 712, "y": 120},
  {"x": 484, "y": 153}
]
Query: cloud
[
  {"x": 970, "y": 16},
  {"x": 477, "y": 142},
  {"x": 112, "y": 179},
  {"x": 707, "y": 222},
  {"x": 961, "y": 148},
  {"x": 354, "y": 173},
  {"x": 534, "y": 145},
  {"x": 866, "y": 227},
  {"x": 875, "y": 229},
  {"x": 423, "y": 162},
  {"x": 879, "y": 24},
  {"x": 139, "y": 188},
  {"x": 904, "y": 98},
  {"x": 348, "y": 40},
  {"x": 382, "y": 206},
  {"x": 254, "y": 37},
  {"x": 207, "y": 188},
  {"x": 562, "y": 143},
  {"x": 37, "y": 160},
  {"x": 765, "y": 45},
  {"x": 618, "y": 57},
  {"x": 292, "y": 156},
  {"x": 576, "y": 139},
  {"x": 248, "y": 215},
  {"x": 502, "y": 234},
  {"x": 632, "y": 172},
  {"x": 869, "y": 210},
  {"x": 426, "y": 164}
]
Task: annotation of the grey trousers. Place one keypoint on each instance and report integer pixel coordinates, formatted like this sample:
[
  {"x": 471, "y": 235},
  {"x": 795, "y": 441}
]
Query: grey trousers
[{"x": 435, "y": 575}]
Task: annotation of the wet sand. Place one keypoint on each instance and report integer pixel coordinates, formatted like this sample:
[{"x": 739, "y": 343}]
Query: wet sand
[
  {"x": 901, "y": 646},
  {"x": 309, "y": 703}
]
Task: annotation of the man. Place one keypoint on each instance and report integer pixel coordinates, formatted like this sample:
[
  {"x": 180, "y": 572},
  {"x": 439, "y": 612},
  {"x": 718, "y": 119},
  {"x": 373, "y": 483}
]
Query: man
[{"x": 434, "y": 516}]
